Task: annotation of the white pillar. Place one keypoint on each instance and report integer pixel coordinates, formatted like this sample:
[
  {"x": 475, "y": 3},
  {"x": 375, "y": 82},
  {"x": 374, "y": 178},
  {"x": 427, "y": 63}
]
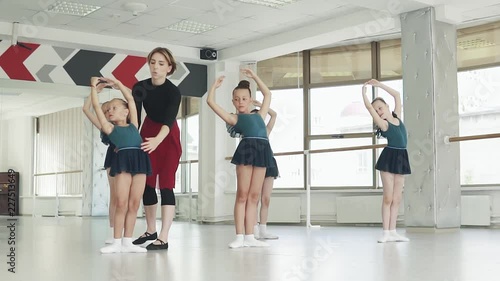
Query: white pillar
[
  {"x": 432, "y": 192},
  {"x": 216, "y": 174}
]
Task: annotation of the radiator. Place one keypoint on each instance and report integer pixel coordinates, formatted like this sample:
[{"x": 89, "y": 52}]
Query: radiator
[
  {"x": 284, "y": 210},
  {"x": 476, "y": 210},
  {"x": 359, "y": 209},
  {"x": 45, "y": 206}
]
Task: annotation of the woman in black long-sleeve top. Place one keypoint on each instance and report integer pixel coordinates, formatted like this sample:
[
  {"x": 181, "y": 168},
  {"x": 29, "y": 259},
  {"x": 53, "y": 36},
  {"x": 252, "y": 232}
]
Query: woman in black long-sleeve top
[{"x": 160, "y": 99}]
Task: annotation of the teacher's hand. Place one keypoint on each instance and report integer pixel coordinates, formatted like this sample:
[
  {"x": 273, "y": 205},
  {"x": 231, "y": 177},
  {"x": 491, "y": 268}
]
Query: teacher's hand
[{"x": 150, "y": 144}]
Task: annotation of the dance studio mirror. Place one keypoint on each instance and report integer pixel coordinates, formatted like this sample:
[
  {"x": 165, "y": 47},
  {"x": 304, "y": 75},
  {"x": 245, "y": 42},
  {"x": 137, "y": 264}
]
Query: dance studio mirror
[{"x": 45, "y": 136}]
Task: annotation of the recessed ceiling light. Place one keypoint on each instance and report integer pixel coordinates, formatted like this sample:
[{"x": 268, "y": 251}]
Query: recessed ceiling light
[
  {"x": 191, "y": 27},
  {"x": 70, "y": 8},
  {"x": 269, "y": 3}
]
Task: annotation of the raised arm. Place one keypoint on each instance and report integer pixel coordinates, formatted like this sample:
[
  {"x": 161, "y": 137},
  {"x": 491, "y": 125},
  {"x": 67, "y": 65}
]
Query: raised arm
[
  {"x": 263, "y": 88},
  {"x": 272, "y": 121},
  {"x": 127, "y": 94},
  {"x": 106, "y": 126},
  {"x": 139, "y": 94},
  {"x": 381, "y": 123},
  {"x": 88, "y": 112},
  {"x": 395, "y": 94},
  {"x": 226, "y": 116},
  {"x": 272, "y": 113}
]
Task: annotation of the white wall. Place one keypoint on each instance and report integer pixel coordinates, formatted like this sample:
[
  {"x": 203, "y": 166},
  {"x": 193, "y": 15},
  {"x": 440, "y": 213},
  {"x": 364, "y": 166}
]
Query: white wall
[
  {"x": 16, "y": 150},
  {"x": 3, "y": 145}
]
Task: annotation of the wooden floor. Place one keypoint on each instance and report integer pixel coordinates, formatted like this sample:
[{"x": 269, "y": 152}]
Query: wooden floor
[{"x": 58, "y": 249}]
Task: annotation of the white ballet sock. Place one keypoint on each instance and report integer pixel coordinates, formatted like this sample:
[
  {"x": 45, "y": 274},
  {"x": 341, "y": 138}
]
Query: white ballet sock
[
  {"x": 263, "y": 234},
  {"x": 250, "y": 241},
  {"x": 128, "y": 247},
  {"x": 386, "y": 237},
  {"x": 256, "y": 232},
  {"x": 115, "y": 247},
  {"x": 397, "y": 237},
  {"x": 238, "y": 242},
  {"x": 111, "y": 235}
]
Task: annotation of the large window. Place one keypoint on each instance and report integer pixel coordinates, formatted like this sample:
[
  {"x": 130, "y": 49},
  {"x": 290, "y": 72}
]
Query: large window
[
  {"x": 339, "y": 110},
  {"x": 329, "y": 101},
  {"x": 282, "y": 72},
  {"x": 390, "y": 59},
  {"x": 188, "y": 121},
  {"x": 287, "y": 135},
  {"x": 341, "y": 169},
  {"x": 478, "y": 46},
  {"x": 479, "y": 110},
  {"x": 341, "y": 64}
]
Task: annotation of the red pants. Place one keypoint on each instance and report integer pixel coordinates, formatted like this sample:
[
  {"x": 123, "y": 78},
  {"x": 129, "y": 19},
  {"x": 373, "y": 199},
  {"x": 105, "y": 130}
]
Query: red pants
[{"x": 165, "y": 158}]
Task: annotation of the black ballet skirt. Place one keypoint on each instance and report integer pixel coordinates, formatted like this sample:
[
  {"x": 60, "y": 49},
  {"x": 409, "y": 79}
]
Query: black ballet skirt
[
  {"x": 394, "y": 160},
  {"x": 273, "y": 171},
  {"x": 110, "y": 155},
  {"x": 132, "y": 160},
  {"x": 254, "y": 151}
]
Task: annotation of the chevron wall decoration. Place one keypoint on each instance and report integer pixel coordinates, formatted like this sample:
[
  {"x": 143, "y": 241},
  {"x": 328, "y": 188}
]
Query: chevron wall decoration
[{"x": 51, "y": 64}]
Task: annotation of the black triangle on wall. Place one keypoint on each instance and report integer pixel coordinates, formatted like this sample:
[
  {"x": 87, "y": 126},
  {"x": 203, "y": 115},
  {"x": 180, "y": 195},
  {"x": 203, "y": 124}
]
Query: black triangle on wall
[
  {"x": 86, "y": 64},
  {"x": 195, "y": 84}
]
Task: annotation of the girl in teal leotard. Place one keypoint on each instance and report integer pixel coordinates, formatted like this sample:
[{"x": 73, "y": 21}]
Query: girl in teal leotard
[
  {"x": 252, "y": 157},
  {"x": 130, "y": 166}
]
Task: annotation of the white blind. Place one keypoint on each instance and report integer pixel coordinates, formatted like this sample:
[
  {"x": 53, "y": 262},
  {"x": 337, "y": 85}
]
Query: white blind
[{"x": 59, "y": 149}]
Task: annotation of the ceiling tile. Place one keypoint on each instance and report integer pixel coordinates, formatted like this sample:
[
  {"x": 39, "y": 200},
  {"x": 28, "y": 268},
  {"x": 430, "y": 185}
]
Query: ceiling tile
[
  {"x": 215, "y": 19},
  {"x": 176, "y": 12},
  {"x": 202, "y": 5},
  {"x": 129, "y": 29},
  {"x": 200, "y": 41},
  {"x": 151, "y": 4},
  {"x": 153, "y": 21},
  {"x": 52, "y": 19},
  {"x": 227, "y": 32},
  {"x": 165, "y": 35},
  {"x": 113, "y": 15},
  {"x": 20, "y": 15},
  {"x": 92, "y": 25}
]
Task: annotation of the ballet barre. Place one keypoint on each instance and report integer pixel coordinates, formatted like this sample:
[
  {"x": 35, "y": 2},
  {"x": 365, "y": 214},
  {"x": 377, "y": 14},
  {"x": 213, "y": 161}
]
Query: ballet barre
[
  {"x": 448, "y": 139},
  {"x": 308, "y": 153},
  {"x": 57, "y": 190}
]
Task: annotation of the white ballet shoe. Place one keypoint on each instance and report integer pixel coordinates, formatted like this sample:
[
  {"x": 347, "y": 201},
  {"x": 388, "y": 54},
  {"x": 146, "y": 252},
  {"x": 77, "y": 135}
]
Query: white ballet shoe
[
  {"x": 256, "y": 233},
  {"x": 250, "y": 241},
  {"x": 399, "y": 238},
  {"x": 128, "y": 247},
  {"x": 115, "y": 247},
  {"x": 263, "y": 234},
  {"x": 386, "y": 237},
  {"x": 133, "y": 249},
  {"x": 238, "y": 242}
]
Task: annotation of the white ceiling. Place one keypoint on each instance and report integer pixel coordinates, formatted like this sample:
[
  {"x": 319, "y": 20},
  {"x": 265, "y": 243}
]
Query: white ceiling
[
  {"x": 236, "y": 22},
  {"x": 244, "y": 32}
]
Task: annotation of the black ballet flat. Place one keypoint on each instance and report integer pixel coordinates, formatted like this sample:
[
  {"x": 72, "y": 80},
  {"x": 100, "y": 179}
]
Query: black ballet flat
[
  {"x": 147, "y": 237},
  {"x": 161, "y": 246}
]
